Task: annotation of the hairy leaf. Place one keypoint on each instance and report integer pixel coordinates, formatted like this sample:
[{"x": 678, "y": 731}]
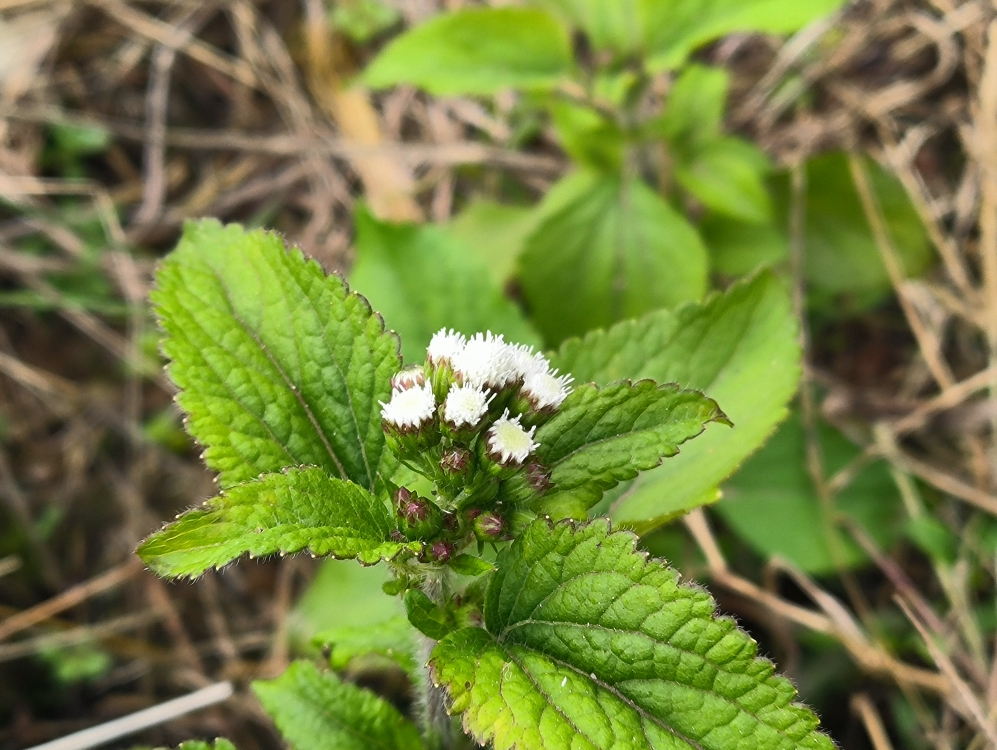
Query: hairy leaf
[
  {"x": 316, "y": 711},
  {"x": 287, "y": 512},
  {"x": 476, "y": 51},
  {"x": 426, "y": 616},
  {"x": 739, "y": 348},
  {"x": 278, "y": 364},
  {"x": 612, "y": 250},
  {"x": 602, "y": 436},
  {"x": 588, "y": 644},
  {"x": 421, "y": 280}
]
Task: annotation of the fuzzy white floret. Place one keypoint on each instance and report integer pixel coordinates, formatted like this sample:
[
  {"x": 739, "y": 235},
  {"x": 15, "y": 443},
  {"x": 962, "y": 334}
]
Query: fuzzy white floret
[
  {"x": 466, "y": 405},
  {"x": 486, "y": 360},
  {"x": 411, "y": 407},
  {"x": 547, "y": 389},
  {"x": 445, "y": 345},
  {"x": 509, "y": 441},
  {"x": 527, "y": 363}
]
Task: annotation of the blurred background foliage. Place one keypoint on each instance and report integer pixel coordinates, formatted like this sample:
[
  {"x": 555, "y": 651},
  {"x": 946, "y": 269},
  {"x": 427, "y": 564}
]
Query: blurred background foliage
[{"x": 799, "y": 196}]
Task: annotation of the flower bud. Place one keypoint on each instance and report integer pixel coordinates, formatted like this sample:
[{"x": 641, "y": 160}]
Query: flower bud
[
  {"x": 439, "y": 551},
  {"x": 410, "y": 377},
  {"x": 488, "y": 526},
  {"x": 455, "y": 461},
  {"x": 418, "y": 518},
  {"x": 538, "y": 476}
]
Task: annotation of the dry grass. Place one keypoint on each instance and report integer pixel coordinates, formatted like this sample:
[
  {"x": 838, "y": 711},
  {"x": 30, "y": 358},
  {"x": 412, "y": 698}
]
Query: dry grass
[{"x": 239, "y": 110}]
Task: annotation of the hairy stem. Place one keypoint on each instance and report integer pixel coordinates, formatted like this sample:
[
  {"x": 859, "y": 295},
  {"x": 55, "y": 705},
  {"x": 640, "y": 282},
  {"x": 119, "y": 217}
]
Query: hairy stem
[{"x": 436, "y": 723}]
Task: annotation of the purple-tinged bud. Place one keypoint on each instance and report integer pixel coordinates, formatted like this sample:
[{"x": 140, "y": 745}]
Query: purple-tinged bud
[
  {"x": 489, "y": 527},
  {"x": 410, "y": 377},
  {"x": 455, "y": 461},
  {"x": 538, "y": 477},
  {"x": 439, "y": 551},
  {"x": 418, "y": 518}
]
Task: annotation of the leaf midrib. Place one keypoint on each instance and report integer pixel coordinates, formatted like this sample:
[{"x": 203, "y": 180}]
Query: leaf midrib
[
  {"x": 618, "y": 436},
  {"x": 624, "y": 699},
  {"x": 288, "y": 384}
]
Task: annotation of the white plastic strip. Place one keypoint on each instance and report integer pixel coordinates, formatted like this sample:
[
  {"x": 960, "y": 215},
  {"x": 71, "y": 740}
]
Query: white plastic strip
[{"x": 136, "y": 722}]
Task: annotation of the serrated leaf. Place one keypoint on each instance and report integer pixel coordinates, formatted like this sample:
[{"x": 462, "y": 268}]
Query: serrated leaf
[
  {"x": 476, "y": 51},
  {"x": 470, "y": 565},
  {"x": 393, "y": 639},
  {"x": 316, "y": 711},
  {"x": 288, "y": 512},
  {"x": 421, "y": 280},
  {"x": 603, "y": 436},
  {"x": 426, "y": 616},
  {"x": 278, "y": 364},
  {"x": 739, "y": 348},
  {"x": 612, "y": 250},
  {"x": 588, "y": 645}
]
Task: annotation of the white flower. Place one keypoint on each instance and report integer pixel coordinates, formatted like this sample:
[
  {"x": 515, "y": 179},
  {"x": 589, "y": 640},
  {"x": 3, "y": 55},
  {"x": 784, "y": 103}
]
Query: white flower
[
  {"x": 509, "y": 441},
  {"x": 546, "y": 389},
  {"x": 466, "y": 404},
  {"x": 445, "y": 345},
  {"x": 411, "y": 407},
  {"x": 486, "y": 360},
  {"x": 526, "y": 363}
]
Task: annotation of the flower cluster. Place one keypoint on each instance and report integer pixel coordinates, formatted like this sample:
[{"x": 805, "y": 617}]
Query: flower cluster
[{"x": 467, "y": 419}]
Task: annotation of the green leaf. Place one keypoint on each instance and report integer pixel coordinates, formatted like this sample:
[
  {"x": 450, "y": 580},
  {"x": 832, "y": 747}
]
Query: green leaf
[
  {"x": 841, "y": 253},
  {"x": 426, "y": 616},
  {"x": 695, "y": 108},
  {"x": 342, "y": 594},
  {"x": 843, "y": 266},
  {"x": 476, "y": 51},
  {"x": 589, "y": 137},
  {"x": 494, "y": 233},
  {"x": 278, "y": 364},
  {"x": 588, "y": 644},
  {"x": 602, "y": 436},
  {"x": 612, "y": 250},
  {"x": 316, "y": 711},
  {"x": 220, "y": 743},
  {"x": 288, "y": 512},
  {"x": 393, "y": 639},
  {"x": 470, "y": 565},
  {"x": 739, "y": 248},
  {"x": 771, "y": 502},
  {"x": 422, "y": 280},
  {"x": 675, "y": 29},
  {"x": 362, "y": 20},
  {"x": 728, "y": 176},
  {"x": 739, "y": 348},
  {"x": 665, "y": 32}
]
